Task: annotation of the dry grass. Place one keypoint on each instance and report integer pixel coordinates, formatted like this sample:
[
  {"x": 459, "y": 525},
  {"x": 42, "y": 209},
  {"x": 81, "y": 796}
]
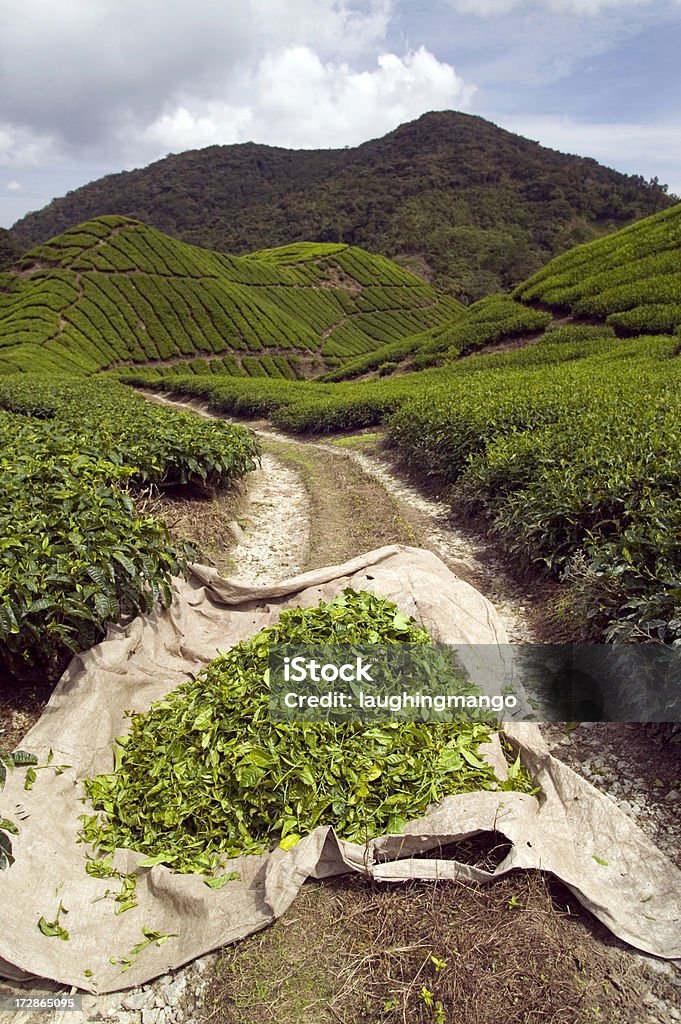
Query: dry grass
[
  {"x": 205, "y": 520},
  {"x": 519, "y": 951}
]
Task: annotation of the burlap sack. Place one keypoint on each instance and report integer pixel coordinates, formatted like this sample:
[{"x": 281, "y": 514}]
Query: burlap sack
[{"x": 571, "y": 830}]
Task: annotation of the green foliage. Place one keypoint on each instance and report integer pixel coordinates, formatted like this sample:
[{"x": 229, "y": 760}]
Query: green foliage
[
  {"x": 664, "y": 318},
  {"x": 560, "y": 344},
  {"x": 114, "y": 293},
  {"x": 158, "y": 445},
  {"x": 490, "y": 320},
  {"x": 567, "y": 446},
  {"x": 321, "y": 407},
  {"x": 631, "y": 278},
  {"x": 478, "y": 207},
  {"x": 7, "y": 827},
  {"x": 206, "y": 774},
  {"x": 74, "y": 552},
  {"x": 53, "y": 929},
  {"x": 20, "y": 758},
  {"x": 125, "y": 898},
  {"x": 392, "y": 353},
  {"x": 550, "y": 441},
  {"x": 9, "y": 250},
  {"x": 575, "y": 463},
  {"x": 297, "y": 406},
  {"x": 151, "y": 935}
]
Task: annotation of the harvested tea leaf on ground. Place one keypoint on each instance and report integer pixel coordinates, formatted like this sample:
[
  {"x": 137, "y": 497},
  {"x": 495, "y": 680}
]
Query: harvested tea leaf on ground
[{"x": 206, "y": 774}]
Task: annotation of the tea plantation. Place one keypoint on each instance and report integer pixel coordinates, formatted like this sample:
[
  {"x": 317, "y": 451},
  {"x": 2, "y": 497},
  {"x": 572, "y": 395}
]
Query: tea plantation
[
  {"x": 552, "y": 415},
  {"x": 566, "y": 445},
  {"x": 114, "y": 292},
  {"x": 631, "y": 279}
]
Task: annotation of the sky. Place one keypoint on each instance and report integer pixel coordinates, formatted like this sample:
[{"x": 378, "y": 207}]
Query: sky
[{"x": 92, "y": 87}]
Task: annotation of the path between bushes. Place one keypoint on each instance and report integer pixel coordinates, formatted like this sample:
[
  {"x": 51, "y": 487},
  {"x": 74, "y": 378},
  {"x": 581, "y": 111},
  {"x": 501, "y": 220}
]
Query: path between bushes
[
  {"x": 344, "y": 499},
  {"x": 317, "y": 503}
]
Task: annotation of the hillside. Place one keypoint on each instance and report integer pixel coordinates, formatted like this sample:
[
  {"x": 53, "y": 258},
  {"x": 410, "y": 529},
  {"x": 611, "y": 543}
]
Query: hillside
[
  {"x": 558, "y": 429},
  {"x": 628, "y": 283},
  {"x": 454, "y": 197},
  {"x": 114, "y": 292},
  {"x": 631, "y": 280}
]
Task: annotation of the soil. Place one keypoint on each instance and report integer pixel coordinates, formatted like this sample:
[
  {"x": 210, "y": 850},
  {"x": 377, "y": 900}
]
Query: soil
[
  {"x": 357, "y": 952},
  {"x": 259, "y": 531},
  {"x": 20, "y": 708},
  {"x": 349, "y": 511},
  {"x": 353, "y": 951}
]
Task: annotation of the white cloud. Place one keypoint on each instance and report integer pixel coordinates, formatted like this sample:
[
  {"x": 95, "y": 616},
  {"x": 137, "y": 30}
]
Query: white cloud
[
  {"x": 75, "y": 68},
  {"x": 484, "y": 8},
  {"x": 120, "y": 83},
  {"x": 333, "y": 28},
  {"x": 298, "y": 101},
  {"x": 22, "y": 147},
  {"x": 494, "y": 8},
  {"x": 183, "y": 128},
  {"x": 81, "y": 70},
  {"x": 14, "y": 186}
]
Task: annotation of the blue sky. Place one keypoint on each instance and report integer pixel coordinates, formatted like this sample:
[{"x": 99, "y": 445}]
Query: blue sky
[{"x": 91, "y": 87}]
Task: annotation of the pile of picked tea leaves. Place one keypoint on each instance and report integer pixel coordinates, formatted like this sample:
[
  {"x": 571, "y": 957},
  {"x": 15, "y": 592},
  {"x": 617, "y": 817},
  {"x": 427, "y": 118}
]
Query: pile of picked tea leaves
[{"x": 206, "y": 774}]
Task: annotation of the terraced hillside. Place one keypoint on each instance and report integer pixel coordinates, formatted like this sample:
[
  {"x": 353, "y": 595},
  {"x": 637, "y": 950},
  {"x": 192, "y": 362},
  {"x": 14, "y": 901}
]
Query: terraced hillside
[
  {"x": 624, "y": 285},
  {"x": 496, "y": 321},
  {"x": 114, "y": 292},
  {"x": 631, "y": 280}
]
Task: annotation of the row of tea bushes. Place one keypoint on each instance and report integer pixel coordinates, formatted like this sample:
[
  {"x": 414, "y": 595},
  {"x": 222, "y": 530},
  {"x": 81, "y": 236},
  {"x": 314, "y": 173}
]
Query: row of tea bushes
[
  {"x": 631, "y": 278},
  {"x": 577, "y": 467},
  {"x": 323, "y": 406},
  {"x": 75, "y": 553},
  {"x": 158, "y": 445}
]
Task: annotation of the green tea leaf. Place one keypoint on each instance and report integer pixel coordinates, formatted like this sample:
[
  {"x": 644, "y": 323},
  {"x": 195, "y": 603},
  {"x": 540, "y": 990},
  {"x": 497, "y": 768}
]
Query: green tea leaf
[
  {"x": 289, "y": 841},
  {"x": 217, "y": 883},
  {"x": 244, "y": 783}
]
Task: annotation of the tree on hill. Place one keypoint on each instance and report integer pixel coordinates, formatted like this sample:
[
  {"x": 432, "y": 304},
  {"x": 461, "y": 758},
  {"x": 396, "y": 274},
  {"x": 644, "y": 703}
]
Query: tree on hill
[{"x": 9, "y": 250}]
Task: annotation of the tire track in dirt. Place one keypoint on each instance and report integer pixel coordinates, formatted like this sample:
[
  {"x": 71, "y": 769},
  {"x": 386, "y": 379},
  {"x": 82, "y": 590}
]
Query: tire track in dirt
[{"x": 358, "y": 503}]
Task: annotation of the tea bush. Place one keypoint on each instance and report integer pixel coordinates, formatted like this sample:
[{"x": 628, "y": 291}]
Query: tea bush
[
  {"x": 75, "y": 554},
  {"x": 578, "y": 459}
]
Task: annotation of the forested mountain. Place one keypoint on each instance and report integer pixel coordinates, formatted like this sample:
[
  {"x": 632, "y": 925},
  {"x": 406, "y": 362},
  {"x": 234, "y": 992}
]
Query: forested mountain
[{"x": 455, "y": 198}]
